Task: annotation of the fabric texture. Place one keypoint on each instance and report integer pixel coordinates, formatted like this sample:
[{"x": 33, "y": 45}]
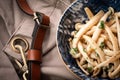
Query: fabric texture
[{"x": 14, "y": 22}]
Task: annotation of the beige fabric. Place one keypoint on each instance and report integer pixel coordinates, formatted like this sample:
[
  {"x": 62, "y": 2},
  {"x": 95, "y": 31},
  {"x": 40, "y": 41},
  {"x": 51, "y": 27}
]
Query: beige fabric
[{"x": 15, "y": 22}]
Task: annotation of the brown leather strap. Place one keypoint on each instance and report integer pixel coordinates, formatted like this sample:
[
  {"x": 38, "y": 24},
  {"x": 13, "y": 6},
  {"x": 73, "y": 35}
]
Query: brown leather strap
[
  {"x": 39, "y": 35},
  {"x": 25, "y": 7},
  {"x": 36, "y": 75},
  {"x": 34, "y": 54}
]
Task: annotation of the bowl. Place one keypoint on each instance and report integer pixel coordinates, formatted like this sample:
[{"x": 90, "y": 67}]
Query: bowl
[{"x": 73, "y": 14}]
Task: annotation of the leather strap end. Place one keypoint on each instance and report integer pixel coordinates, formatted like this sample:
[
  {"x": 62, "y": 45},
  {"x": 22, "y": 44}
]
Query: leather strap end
[{"x": 34, "y": 55}]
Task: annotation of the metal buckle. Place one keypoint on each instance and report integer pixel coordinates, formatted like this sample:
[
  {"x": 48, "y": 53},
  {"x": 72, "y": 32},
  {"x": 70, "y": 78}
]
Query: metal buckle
[
  {"x": 38, "y": 17},
  {"x": 17, "y": 45}
]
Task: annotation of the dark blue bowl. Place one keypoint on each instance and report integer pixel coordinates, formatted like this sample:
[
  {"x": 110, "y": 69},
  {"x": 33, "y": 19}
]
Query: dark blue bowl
[{"x": 75, "y": 13}]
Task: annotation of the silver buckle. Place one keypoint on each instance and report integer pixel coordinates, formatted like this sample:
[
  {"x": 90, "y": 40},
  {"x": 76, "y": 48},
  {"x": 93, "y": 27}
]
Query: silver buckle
[{"x": 37, "y": 17}]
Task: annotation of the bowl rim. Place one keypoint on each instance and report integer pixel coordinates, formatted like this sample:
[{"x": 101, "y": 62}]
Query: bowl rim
[{"x": 57, "y": 41}]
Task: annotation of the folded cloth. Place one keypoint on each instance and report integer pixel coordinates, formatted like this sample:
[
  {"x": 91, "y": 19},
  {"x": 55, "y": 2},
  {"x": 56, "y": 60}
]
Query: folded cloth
[{"x": 15, "y": 22}]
